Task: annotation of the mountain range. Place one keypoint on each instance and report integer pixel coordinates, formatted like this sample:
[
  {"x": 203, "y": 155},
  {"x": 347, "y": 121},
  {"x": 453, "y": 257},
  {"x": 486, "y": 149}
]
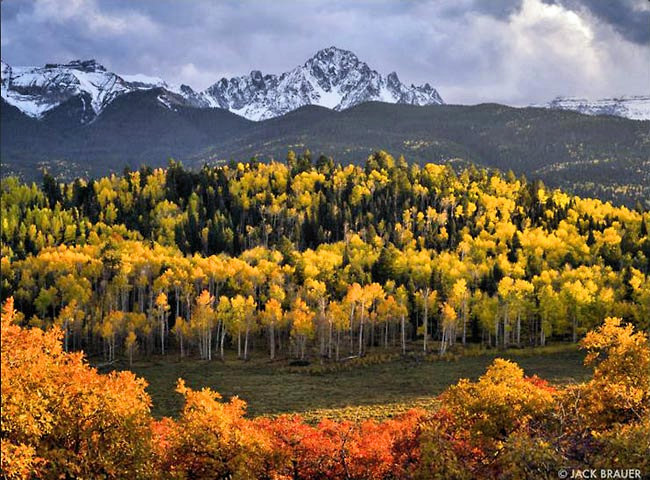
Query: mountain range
[
  {"x": 78, "y": 119},
  {"x": 332, "y": 78}
]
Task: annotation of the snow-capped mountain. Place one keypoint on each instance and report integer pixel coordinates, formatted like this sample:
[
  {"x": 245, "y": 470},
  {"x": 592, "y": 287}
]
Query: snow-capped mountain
[
  {"x": 37, "y": 90},
  {"x": 332, "y": 78},
  {"x": 632, "y": 107}
]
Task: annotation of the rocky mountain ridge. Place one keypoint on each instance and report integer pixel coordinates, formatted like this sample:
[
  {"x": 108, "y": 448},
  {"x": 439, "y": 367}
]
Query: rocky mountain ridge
[{"x": 332, "y": 78}]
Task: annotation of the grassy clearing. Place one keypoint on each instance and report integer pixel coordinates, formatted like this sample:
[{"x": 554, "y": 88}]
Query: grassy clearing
[{"x": 376, "y": 390}]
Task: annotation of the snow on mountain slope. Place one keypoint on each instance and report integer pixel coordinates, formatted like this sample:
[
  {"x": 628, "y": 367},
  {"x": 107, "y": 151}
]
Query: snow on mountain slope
[
  {"x": 332, "y": 78},
  {"x": 36, "y": 90},
  {"x": 145, "y": 82},
  {"x": 632, "y": 107}
]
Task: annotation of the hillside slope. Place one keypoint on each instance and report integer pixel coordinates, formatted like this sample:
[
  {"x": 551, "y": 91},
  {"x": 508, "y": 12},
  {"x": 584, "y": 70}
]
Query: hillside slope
[{"x": 603, "y": 156}]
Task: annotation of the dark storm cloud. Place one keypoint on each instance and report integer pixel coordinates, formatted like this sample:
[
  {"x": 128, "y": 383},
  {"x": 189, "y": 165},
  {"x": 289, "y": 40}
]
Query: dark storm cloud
[
  {"x": 630, "y": 18},
  {"x": 510, "y": 51}
]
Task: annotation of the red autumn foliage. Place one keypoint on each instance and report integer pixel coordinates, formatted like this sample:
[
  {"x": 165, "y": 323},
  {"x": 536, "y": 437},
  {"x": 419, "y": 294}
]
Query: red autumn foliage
[
  {"x": 343, "y": 450},
  {"x": 541, "y": 383}
]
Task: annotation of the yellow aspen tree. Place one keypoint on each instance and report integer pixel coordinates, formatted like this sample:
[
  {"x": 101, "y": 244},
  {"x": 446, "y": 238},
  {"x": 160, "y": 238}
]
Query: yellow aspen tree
[
  {"x": 302, "y": 327},
  {"x": 202, "y": 322},
  {"x": 224, "y": 315},
  {"x": 271, "y": 317},
  {"x": 448, "y": 318},
  {"x": 162, "y": 312}
]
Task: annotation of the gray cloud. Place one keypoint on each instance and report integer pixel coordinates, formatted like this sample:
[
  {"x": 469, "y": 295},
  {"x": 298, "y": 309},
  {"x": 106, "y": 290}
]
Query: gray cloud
[{"x": 510, "y": 51}]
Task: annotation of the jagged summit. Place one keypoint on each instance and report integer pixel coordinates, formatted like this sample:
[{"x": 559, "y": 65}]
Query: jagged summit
[{"x": 332, "y": 78}]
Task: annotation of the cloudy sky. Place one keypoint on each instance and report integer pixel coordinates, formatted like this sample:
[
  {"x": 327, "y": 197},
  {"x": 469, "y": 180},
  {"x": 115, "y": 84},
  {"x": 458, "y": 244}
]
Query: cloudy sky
[{"x": 509, "y": 51}]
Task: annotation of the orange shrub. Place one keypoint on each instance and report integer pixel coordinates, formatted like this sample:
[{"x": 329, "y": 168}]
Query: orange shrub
[
  {"x": 477, "y": 419},
  {"x": 60, "y": 418},
  {"x": 210, "y": 440}
]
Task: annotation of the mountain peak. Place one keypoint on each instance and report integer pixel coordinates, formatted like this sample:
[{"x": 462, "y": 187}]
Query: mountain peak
[
  {"x": 334, "y": 54},
  {"x": 333, "y": 77},
  {"x": 333, "y": 49}
]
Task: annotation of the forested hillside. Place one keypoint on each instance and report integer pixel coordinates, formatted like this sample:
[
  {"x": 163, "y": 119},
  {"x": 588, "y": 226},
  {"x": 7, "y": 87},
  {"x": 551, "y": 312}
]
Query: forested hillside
[
  {"x": 316, "y": 260},
  {"x": 597, "y": 156}
]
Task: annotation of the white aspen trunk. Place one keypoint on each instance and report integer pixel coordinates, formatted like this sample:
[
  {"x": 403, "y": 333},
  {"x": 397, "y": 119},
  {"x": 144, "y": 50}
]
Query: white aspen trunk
[
  {"x": 209, "y": 344},
  {"x": 178, "y": 301},
  {"x": 272, "y": 340},
  {"x": 464, "y": 321},
  {"x": 246, "y": 342},
  {"x": 181, "y": 339},
  {"x": 351, "y": 330},
  {"x": 162, "y": 334},
  {"x": 506, "y": 331},
  {"x": 329, "y": 344},
  {"x": 320, "y": 339},
  {"x": 426, "y": 318},
  {"x": 223, "y": 337},
  {"x": 361, "y": 330},
  {"x": 403, "y": 336},
  {"x": 338, "y": 341},
  {"x": 386, "y": 335},
  {"x": 217, "y": 334}
]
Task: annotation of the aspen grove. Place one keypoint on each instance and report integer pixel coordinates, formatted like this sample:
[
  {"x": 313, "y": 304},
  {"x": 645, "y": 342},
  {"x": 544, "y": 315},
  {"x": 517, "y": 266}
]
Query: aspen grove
[{"x": 317, "y": 260}]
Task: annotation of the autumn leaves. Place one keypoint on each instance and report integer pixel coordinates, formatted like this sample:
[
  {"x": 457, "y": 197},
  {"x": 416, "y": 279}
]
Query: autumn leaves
[
  {"x": 317, "y": 260},
  {"x": 60, "y": 418}
]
